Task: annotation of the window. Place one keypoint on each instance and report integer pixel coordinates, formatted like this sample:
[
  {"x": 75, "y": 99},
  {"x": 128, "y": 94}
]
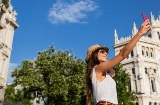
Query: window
[
  {"x": 155, "y": 103},
  {"x": 133, "y": 71},
  {"x": 146, "y": 53},
  {"x": 132, "y": 54},
  {"x": 146, "y": 71},
  {"x": 153, "y": 86},
  {"x": 143, "y": 48},
  {"x": 150, "y": 103},
  {"x": 151, "y": 54},
  {"x": 150, "y": 35},
  {"x": 154, "y": 70},
  {"x": 142, "y": 52},
  {"x": 158, "y": 35}
]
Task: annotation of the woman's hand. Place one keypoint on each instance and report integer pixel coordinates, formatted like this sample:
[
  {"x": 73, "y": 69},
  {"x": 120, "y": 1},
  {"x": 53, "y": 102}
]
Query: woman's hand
[{"x": 145, "y": 26}]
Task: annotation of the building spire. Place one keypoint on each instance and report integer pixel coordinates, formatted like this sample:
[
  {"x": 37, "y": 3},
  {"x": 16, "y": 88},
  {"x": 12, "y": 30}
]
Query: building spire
[
  {"x": 152, "y": 18},
  {"x": 134, "y": 30},
  {"x": 115, "y": 36}
]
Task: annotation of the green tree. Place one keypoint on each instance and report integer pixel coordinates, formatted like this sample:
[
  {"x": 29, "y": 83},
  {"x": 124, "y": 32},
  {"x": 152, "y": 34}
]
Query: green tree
[
  {"x": 125, "y": 96},
  {"x": 58, "y": 77},
  {"x": 9, "y": 93},
  {"x": 16, "y": 96}
]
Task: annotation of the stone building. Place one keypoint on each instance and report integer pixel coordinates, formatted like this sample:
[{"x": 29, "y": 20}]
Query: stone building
[
  {"x": 143, "y": 63},
  {"x": 7, "y": 26}
]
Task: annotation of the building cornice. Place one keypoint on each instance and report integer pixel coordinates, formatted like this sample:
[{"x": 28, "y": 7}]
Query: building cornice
[
  {"x": 12, "y": 22},
  {"x": 143, "y": 39}
]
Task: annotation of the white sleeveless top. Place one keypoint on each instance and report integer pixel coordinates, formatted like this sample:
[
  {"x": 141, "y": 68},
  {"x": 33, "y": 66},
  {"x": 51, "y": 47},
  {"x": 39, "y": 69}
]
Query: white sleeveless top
[{"x": 104, "y": 90}]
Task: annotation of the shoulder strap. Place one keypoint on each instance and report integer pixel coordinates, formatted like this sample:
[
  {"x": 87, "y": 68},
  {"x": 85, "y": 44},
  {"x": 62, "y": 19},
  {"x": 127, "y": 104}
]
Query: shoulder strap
[{"x": 93, "y": 72}]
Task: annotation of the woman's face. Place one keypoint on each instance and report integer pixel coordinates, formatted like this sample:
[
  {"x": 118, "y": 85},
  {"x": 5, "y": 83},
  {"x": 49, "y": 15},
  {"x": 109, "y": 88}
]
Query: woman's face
[{"x": 102, "y": 55}]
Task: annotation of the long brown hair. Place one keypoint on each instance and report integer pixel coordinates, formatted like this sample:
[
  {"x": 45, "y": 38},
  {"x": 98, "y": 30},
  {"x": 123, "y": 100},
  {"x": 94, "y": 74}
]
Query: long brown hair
[{"x": 93, "y": 60}]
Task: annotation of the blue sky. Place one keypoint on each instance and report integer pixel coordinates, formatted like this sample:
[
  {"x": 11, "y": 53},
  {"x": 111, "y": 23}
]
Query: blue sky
[{"x": 73, "y": 25}]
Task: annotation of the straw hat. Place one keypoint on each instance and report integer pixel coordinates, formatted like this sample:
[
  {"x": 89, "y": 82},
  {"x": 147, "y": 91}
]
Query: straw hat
[{"x": 94, "y": 48}]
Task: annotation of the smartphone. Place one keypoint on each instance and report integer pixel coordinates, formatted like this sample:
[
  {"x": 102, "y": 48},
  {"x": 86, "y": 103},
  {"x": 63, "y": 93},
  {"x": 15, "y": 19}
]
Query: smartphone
[{"x": 144, "y": 17}]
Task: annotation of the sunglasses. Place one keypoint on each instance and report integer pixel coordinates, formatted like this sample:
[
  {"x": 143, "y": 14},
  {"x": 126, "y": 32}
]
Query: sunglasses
[{"x": 102, "y": 51}]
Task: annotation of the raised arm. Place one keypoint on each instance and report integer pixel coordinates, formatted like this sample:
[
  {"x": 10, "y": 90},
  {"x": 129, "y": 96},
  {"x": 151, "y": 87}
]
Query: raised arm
[
  {"x": 111, "y": 72},
  {"x": 125, "y": 51}
]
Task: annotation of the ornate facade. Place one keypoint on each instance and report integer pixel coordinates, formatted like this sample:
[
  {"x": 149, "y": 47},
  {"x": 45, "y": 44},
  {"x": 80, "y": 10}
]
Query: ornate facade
[
  {"x": 143, "y": 63},
  {"x": 7, "y": 26}
]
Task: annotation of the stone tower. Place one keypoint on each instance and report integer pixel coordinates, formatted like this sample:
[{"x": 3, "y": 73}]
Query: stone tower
[
  {"x": 143, "y": 63},
  {"x": 7, "y": 26}
]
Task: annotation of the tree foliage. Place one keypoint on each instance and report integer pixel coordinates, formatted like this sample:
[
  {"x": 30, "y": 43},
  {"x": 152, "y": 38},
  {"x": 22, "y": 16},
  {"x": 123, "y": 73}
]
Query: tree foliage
[
  {"x": 125, "y": 96},
  {"x": 57, "y": 77},
  {"x": 16, "y": 97}
]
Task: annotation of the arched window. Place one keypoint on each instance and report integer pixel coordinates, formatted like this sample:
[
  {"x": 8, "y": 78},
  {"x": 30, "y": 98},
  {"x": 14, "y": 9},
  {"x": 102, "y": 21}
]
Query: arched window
[
  {"x": 158, "y": 33},
  {"x": 155, "y": 103},
  {"x": 146, "y": 71},
  {"x": 132, "y": 54},
  {"x": 133, "y": 71},
  {"x": 151, "y": 54},
  {"x": 150, "y": 35},
  {"x": 150, "y": 103},
  {"x": 153, "y": 85},
  {"x": 142, "y": 52},
  {"x": 146, "y": 53}
]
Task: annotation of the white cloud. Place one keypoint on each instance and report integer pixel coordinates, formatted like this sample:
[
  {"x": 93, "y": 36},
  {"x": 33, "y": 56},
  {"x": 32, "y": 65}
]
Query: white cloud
[
  {"x": 74, "y": 12},
  {"x": 12, "y": 66}
]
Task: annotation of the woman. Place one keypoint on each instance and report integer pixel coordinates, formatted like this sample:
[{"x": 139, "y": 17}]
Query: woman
[{"x": 99, "y": 70}]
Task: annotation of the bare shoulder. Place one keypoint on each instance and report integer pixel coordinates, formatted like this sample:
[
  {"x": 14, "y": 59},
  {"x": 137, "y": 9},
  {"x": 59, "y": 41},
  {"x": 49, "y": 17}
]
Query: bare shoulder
[{"x": 103, "y": 66}]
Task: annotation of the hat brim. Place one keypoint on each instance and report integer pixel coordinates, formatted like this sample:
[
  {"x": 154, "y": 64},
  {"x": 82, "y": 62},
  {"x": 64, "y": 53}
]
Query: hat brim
[{"x": 102, "y": 47}]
